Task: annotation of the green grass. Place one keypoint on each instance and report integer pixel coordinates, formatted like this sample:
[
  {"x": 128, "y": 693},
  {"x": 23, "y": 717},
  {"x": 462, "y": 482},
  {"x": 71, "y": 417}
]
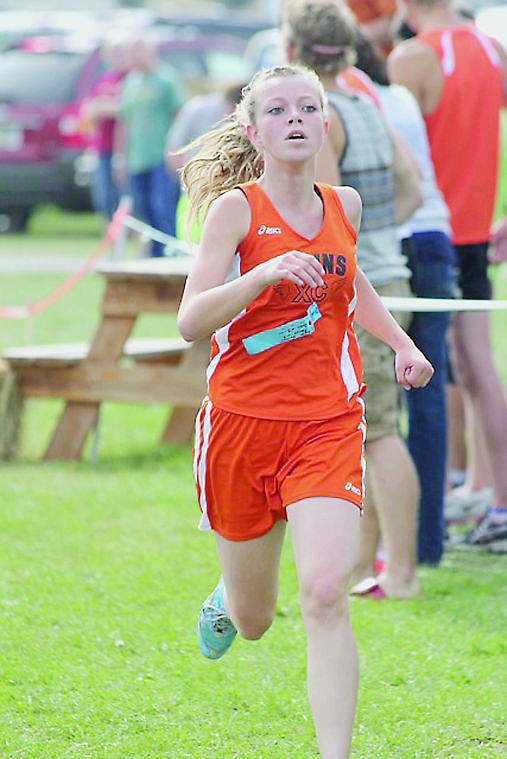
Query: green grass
[{"x": 102, "y": 572}]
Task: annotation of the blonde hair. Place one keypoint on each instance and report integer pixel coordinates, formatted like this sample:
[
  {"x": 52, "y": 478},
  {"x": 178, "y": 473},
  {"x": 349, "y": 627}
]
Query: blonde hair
[
  {"x": 322, "y": 33},
  {"x": 225, "y": 156}
]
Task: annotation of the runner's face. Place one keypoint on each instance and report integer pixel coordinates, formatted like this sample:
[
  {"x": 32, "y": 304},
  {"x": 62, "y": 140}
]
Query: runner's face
[{"x": 290, "y": 123}]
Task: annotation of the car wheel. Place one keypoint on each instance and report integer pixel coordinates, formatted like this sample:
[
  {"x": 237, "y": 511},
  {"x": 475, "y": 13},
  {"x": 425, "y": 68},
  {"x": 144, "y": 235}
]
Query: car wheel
[{"x": 15, "y": 221}]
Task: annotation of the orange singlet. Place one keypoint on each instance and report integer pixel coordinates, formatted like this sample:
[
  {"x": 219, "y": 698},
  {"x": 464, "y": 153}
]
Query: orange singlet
[
  {"x": 291, "y": 353},
  {"x": 463, "y": 130},
  {"x": 283, "y": 420}
]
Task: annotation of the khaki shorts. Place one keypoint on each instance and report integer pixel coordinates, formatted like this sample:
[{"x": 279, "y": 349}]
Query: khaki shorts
[{"x": 382, "y": 397}]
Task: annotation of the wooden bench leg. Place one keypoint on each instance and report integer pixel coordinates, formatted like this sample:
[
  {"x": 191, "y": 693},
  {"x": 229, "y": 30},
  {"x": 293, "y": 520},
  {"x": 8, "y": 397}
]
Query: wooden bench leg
[
  {"x": 79, "y": 418},
  {"x": 180, "y": 426},
  {"x": 72, "y": 430},
  {"x": 10, "y": 413}
]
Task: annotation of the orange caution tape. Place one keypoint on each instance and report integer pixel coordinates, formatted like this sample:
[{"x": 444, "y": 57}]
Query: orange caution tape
[{"x": 113, "y": 231}]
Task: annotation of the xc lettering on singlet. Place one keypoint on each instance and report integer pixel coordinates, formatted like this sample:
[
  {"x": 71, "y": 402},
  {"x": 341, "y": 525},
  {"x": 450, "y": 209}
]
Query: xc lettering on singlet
[{"x": 307, "y": 294}]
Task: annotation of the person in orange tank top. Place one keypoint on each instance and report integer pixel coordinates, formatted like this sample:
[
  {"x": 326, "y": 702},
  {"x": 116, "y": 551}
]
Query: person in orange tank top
[
  {"x": 279, "y": 438},
  {"x": 459, "y": 77}
]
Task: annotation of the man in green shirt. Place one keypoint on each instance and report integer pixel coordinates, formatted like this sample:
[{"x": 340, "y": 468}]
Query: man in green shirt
[{"x": 151, "y": 95}]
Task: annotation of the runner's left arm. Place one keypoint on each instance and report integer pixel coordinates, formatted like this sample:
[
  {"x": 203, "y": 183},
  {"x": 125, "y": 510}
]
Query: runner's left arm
[{"x": 411, "y": 366}]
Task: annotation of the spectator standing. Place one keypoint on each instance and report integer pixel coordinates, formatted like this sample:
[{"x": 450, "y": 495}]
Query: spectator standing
[
  {"x": 98, "y": 114},
  {"x": 360, "y": 152},
  {"x": 471, "y": 487},
  {"x": 150, "y": 98},
  {"x": 459, "y": 78},
  {"x": 432, "y": 259}
]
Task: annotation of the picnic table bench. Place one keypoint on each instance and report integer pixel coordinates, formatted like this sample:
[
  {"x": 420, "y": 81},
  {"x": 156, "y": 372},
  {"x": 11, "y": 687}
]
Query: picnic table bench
[{"x": 116, "y": 366}]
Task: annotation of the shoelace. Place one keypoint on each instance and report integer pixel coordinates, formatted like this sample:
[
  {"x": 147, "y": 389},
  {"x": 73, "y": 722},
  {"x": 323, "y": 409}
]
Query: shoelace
[
  {"x": 218, "y": 619},
  {"x": 480, "y": 531}
]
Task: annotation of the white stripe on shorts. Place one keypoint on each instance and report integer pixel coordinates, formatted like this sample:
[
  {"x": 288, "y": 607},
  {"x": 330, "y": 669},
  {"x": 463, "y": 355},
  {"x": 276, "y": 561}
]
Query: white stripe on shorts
[{"x": 200, "y": 465}]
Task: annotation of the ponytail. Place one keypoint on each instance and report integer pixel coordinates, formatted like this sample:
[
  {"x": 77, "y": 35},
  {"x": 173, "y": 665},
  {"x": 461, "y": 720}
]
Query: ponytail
[{"x": 225, "y": 157}]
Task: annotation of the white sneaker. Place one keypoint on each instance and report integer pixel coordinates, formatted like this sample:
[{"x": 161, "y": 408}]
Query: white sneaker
[
  {"x": 456, "y": 477},
  {"x": 463, "y": 505}
]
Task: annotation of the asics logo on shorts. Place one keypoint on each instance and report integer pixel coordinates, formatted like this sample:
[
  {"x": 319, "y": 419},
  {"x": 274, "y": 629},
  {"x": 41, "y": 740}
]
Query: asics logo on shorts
[
  {"x": 264, "y": 230},
  {"x": 350, "y": 486}
]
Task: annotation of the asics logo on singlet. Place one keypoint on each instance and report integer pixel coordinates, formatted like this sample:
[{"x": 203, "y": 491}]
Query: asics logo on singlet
[{"x": 264, "y": 230}]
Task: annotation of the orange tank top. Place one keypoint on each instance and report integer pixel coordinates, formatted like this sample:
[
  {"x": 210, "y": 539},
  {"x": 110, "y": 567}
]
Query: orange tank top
[
  {"x": 356, "y": 80},
  {"x": 292, "y": 352},
  {"x": 463, "y": 130}
]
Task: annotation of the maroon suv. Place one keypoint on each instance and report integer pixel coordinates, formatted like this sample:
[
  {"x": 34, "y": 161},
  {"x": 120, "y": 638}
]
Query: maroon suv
[{"x": 40, "y": 94}]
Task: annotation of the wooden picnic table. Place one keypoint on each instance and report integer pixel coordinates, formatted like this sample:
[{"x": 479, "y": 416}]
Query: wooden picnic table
[{"x": 132, "y": 288}]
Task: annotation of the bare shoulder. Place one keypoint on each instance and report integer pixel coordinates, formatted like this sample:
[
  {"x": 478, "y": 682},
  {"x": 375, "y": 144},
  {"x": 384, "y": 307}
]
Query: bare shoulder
[
  {"x": 225, "y": 225},
  {"x": 352, "y": 204},
  {"x": 230, "y": 202},
  {"x": 416, "y": 66},
  {"x": 229, "y": 216},
  {"x": 410, "y": 60},
  {"x": 409, "y": 51}
]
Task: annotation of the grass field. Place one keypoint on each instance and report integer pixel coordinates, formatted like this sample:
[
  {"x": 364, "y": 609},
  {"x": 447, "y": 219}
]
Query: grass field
[{"x": 102, "y": 573}]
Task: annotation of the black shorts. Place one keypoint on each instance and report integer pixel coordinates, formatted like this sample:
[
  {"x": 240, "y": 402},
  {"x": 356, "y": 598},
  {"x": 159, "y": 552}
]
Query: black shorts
[{"x": 473, "y": 280}]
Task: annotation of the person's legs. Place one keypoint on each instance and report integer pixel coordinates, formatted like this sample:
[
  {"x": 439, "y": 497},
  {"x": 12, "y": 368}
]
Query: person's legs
[
  {"x": 435, "y": 262},
  {"x": 236, "y": 460},
  {"x": 250, "y": 572},
  {"x": 243, "y": 600},
  {"x": 395, "y": 492},
  {"x": 139, "y": 189},
  {"x": 478, "y": 476},
  {"x": 369, "y": 538},
  {"x": 162, "y": 198},
  {"x": 324, "y": 534},
  {"x": 470, "y": 500},
  {"x": 391, "y": 472},
  {"x": 476, "y": 368},
  {"x": 456, "y": 436},
  {"x": 479, "y": 376},
  {"x": 427, "y": 436}
]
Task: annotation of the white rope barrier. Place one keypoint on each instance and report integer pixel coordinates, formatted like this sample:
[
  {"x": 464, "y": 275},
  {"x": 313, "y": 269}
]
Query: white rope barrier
[
  {"x": 175, "y": 247},
  {"x": 441, "y": 304}
]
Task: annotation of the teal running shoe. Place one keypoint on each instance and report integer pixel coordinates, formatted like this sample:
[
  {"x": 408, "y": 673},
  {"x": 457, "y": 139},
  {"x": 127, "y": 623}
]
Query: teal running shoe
[{"x": 215, "y": 631}]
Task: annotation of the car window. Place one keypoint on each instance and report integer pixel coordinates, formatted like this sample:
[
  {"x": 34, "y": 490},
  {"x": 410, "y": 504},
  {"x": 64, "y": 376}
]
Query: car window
[{"x": 34, "y": 79}]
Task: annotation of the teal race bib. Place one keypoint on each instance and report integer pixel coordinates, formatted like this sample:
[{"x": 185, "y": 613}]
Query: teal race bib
[{"x": 284, "y": 333}]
